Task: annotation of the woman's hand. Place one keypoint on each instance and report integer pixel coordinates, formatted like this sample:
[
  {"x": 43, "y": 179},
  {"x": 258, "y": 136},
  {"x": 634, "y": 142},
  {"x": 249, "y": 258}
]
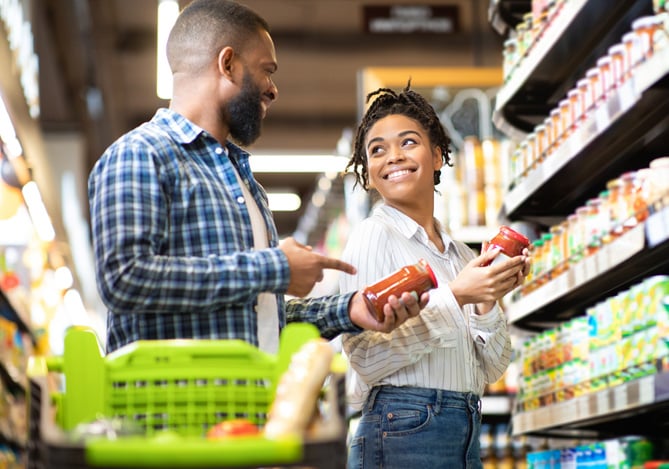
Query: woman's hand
[{"x": 481, "y": 284}]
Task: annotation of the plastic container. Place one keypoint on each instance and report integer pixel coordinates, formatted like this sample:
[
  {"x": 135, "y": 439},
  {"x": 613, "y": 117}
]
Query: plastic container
[{"x": 417, "y": 277}]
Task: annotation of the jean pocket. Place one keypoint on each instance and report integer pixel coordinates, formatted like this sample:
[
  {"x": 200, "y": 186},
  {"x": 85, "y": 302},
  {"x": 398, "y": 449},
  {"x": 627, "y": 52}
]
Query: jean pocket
[{"x": 406, "y": 419}]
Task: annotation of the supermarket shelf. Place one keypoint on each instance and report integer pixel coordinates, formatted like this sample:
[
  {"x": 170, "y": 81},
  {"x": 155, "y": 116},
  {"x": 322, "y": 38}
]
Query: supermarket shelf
[
  {"x": 636, "y": 407},
  {"x": 579, "y": 34},
  {"x": 626, "y": 134},
  {"x": 504, "y": 15},
  {"x": 615, "y": 267}
]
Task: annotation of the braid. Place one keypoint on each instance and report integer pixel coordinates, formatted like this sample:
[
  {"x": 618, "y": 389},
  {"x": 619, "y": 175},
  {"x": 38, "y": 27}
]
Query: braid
[{"x": 407, "y": 103}]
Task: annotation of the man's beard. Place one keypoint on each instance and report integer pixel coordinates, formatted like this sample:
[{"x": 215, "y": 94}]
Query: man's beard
[{"x": 245, "y": 113}]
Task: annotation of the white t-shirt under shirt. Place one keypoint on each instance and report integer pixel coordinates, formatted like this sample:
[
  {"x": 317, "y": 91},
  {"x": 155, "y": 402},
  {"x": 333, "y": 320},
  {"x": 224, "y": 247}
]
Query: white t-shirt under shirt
[{"x": 267, "y": 309}]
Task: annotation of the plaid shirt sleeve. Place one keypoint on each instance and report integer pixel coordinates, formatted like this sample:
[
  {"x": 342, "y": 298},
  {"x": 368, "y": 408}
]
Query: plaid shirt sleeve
[{"x": 329, "y": 314}]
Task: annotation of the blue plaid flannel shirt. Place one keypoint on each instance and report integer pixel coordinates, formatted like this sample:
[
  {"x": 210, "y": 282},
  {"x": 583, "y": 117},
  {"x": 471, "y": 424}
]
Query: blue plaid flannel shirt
[{"x": 173, "y": 247}]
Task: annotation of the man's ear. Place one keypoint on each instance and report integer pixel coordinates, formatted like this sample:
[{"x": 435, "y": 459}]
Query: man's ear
[{"x": 225, "y": 62}]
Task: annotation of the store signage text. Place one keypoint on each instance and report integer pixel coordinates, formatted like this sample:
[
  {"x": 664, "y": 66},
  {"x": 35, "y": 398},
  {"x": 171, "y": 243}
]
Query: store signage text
[
  {"x": 21, "y": 43},
  {"x": 410, "y": 19}
]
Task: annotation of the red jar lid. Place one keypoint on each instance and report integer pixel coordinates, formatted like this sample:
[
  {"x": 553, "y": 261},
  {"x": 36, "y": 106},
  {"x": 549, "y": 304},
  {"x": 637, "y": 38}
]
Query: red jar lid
[{"x": 511, "y": 233}]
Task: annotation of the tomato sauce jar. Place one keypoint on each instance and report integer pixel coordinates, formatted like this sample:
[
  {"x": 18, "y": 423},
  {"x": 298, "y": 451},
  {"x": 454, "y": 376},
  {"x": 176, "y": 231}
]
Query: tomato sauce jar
[
  {"x": 509, "y": 241},
  {"x": 417, "y": 278}
]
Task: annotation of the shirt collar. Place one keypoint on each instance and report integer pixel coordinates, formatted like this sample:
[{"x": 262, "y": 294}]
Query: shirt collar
[
  {"x": 407, "y": 226},
  {"x": 184, "y": 131}
]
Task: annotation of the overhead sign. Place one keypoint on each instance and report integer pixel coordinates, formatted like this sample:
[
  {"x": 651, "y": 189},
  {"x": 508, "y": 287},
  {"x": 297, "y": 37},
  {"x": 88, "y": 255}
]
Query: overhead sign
[{"x": 410, "y": 19}]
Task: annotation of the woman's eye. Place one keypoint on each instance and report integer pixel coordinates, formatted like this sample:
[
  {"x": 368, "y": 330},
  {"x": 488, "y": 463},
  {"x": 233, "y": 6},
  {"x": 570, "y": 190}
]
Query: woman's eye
[{"x": 408, "y": 141}]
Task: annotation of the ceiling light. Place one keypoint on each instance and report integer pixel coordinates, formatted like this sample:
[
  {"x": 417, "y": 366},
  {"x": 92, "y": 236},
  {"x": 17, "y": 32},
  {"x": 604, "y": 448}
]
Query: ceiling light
[
  {"x": 38, "y": 213},
  {"x": 284, "y": 201},
  {"x": 291, "y": 163},
  {"x": 8, "y": 134},
  {"x": 168, "y": 10}
]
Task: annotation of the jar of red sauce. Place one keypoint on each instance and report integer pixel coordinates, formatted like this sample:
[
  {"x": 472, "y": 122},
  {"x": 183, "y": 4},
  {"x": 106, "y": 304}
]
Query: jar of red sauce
[
  {"x": 417, "y": 278},
  {"x": 509, "y": 241}
]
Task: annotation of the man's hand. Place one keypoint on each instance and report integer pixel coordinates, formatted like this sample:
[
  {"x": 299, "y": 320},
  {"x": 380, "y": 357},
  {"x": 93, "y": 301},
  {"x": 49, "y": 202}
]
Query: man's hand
[
  {"x": 396, "y": 311},
  {"x": 306, "y": 266}
]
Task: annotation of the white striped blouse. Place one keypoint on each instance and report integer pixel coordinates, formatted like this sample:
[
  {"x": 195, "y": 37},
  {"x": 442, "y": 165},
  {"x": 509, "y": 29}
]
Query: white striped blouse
[{"x": 446, "y": 346}]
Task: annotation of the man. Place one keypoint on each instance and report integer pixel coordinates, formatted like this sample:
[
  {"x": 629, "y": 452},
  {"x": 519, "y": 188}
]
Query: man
[{"x": 185, "y": 245}]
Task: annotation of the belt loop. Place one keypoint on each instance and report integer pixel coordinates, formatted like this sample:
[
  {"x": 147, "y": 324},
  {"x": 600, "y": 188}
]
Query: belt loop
[
  {"x": 372, "y": 397},
  {"x": 437, "y": 401}
]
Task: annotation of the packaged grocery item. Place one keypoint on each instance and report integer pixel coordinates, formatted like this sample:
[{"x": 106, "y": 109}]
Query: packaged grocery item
[
  {"x": 646, "y": 28},
  {"x": 510, "y": 242},
  {"x": 417, "y": 278}
]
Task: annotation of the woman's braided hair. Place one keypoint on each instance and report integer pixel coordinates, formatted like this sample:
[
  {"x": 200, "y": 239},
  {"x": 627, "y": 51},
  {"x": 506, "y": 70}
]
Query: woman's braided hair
[{"x": 407, "y": 103}]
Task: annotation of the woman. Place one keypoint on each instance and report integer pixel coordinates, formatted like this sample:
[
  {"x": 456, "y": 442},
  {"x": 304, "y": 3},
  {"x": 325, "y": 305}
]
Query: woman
[{"x": 419, "y": 386}]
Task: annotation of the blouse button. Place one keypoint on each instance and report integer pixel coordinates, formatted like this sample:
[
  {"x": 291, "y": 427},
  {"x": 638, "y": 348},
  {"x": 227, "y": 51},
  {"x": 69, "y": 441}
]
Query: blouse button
[
  {"x": 219, "y": 150},
  {"x": 240, "y": 200}
]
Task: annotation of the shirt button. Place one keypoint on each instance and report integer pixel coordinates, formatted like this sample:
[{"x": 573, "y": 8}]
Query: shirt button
[
  {"x": 240, "y": 200},
  {"x": 219, "y": 150},
  {"x": 390, "y": 415}
]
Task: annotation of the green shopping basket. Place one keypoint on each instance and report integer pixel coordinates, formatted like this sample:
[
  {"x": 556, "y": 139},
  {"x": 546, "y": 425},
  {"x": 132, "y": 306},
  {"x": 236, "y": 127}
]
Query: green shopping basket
[{"x": 172, "y": 392}]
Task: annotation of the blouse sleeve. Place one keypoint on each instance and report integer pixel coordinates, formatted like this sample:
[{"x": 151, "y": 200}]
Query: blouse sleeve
[{"x": 493, "y": 344}]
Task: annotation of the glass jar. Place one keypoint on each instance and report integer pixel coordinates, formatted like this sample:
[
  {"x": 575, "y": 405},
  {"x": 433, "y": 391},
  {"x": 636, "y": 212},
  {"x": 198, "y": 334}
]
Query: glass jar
[
  {"x": 522, "y": 36},
  {"x": 559, "y": 249},
  {"x": 575, "y": 107},
  {"x": 547, "y": 259},
  {"x": 556, "y": 127},
  {"x": 618, "y": 64},
  {"x": 631, "y": 203},
  {"x": 595, "y": 88},
  {"x": 641, "y": 194},
  {"x": 633, "y": 53},
  {"x": 578, "y": 251},
  {"x": 565, "y": 118},
  {"x": 571, "y": 236},
  {"x": 531, "y": 151},
  {"x": 417, "y": 278},
  {"x": 510, "y": 242},
  {"x": 617, "y": 206},
  {"x": 592, "y": 229},
  {"x": 645, "y": 28},
  {"x": 522, "y": 160},
  {"x": 605, "y": 75},
  {"x": 540, "y": 142},
  {"x": 510, "y": 57},
  {"x": 536, "y": 266},
  {"x": 548, "y": 125},
  {"x": 604, "y": 217},
  {"x": 583, "y": 87}
]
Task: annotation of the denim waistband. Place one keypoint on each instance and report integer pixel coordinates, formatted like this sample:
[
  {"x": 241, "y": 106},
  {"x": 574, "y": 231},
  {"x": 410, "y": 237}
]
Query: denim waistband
[{"x": 435, "y": 397}]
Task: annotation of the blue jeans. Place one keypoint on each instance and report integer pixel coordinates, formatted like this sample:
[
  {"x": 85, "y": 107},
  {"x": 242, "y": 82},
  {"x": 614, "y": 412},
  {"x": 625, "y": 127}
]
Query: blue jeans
[{"x": 406, "y": 427}]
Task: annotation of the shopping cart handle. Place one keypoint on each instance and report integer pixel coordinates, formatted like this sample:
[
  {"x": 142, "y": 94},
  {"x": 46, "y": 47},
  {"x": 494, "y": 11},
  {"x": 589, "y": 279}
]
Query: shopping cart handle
[{"x": 55, "y": 364}]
